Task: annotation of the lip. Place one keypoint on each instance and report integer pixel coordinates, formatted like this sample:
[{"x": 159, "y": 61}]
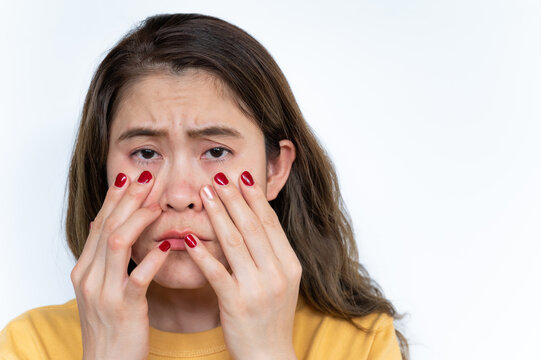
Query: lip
[{"x": 176, "y": 238}]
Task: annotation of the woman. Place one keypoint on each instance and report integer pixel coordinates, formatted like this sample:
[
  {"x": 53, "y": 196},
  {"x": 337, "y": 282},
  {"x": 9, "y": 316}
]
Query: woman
[{"x": 194, "y": 170}]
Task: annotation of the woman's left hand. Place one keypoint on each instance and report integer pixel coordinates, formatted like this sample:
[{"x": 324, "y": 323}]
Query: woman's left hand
[{"x": 258, "y": 300}]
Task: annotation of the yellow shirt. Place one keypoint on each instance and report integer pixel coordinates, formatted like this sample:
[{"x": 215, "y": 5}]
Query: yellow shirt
[{"x": 54, "y": 332}]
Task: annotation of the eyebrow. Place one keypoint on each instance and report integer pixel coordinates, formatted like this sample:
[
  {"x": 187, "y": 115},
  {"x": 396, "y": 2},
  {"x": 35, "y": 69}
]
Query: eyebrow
[{"x": 222, "y": 131}]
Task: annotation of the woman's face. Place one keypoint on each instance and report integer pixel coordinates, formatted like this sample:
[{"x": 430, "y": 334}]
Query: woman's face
[{"x": 182, "y": 160}]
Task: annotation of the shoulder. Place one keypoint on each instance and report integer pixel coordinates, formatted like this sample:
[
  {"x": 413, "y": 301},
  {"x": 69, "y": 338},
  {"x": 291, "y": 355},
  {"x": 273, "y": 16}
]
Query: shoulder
[
  {"x": 325, "y": 336},
  {"x": 372, "y": 323},
  {"x": 383, "y": 339},
  {"x": 375, "y": 322},
  {"x": 31, "y": 331},
  {"x": 44, "y": 316},
  {"x": 369, "y": 327}
]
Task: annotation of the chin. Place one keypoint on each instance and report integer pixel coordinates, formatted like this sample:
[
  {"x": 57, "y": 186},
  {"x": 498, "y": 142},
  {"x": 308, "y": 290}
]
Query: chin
[{"x": 180, "y": 272}]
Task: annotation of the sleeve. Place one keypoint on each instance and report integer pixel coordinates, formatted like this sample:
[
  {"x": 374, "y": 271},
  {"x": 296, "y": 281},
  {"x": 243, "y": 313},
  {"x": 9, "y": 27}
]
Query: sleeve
[
  {"x": 385, "y": 343},
  {"x": 16, "y": 341}
]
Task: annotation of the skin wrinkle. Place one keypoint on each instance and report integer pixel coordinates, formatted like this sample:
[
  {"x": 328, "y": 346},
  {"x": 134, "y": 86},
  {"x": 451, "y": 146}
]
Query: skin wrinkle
[{"x": 218, "y": 131}]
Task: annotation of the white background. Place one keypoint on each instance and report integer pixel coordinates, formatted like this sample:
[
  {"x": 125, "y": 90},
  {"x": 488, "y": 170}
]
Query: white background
[{"x": 429, "y": 109}]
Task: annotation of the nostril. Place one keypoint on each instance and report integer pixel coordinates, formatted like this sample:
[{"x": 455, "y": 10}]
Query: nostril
[{"x": 190, "y": 206}]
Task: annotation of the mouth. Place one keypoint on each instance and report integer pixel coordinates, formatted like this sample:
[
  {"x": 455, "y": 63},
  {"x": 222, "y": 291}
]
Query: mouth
[{"x": 176, "y": 238}]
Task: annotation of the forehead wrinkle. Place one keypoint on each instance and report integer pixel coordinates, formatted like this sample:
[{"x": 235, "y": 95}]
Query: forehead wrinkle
[{"x": 219, "y": 86}]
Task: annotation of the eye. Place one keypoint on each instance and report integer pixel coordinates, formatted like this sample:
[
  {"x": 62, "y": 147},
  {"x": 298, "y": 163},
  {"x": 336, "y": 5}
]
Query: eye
[
  {"x": 147, "y": 155},
  {"x": 144, "y": 156},
  {"x": 217, "y": 152}
]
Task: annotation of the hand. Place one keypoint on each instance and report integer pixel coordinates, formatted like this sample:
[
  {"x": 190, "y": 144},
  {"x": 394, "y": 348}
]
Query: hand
[
  {"x": 112, "y": 306},
  {"x": 258, "y": 300}
]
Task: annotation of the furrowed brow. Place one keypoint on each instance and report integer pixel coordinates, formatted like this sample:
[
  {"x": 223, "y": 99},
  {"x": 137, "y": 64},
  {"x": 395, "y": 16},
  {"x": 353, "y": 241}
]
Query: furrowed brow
[
  {"x": 140, "y": 131},
  {"x": 221, "y": 131}
]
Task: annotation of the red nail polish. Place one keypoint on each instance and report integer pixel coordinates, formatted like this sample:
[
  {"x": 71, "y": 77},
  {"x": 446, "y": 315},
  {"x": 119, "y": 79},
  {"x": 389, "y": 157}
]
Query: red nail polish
[
  {"x": 221, "y": 179},
  {"x": 165, "y": 245},
  {"x": 120, "y": 180},
  {"x": 247, "y": 178},
  {"x": 190, "y": 241},
  {"x": 145, "y": 177}
]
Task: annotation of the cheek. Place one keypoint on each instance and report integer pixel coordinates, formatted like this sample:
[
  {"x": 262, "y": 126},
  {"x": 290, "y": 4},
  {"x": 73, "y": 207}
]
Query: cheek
[
  {"x": 253, "y": 163},
  {"x": 117, "y": 164},
  {"x": 120, "y": 164}
]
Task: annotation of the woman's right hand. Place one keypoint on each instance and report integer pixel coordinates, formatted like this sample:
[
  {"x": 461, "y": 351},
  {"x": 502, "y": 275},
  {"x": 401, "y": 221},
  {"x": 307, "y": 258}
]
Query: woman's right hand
[{"x": 113, "y": 308}]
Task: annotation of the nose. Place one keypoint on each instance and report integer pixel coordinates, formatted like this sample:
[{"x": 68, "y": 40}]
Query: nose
[{"x": 180, "y": 184}]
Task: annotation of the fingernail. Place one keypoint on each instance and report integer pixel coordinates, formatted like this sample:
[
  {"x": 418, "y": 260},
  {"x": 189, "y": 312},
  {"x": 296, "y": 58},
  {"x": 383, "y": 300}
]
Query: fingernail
[
  {"x": 247, "y": 178},
  {"x": 190, "y": 241},
  {"x": 221, "y": 179},
  {"x": 145, "y": 177},
  {"x": 120, "y": 180},
  {"x": 165, "y": 245},
  {"x": 209, "y": 191}
]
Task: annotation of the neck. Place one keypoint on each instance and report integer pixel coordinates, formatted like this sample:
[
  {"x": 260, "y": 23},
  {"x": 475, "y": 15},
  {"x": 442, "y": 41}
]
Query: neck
[{"x": 182, "y": 310}]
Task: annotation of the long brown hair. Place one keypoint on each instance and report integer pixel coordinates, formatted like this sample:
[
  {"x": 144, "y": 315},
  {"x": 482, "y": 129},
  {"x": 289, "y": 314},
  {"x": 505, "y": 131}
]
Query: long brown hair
[{"x": 310, "y": 207}]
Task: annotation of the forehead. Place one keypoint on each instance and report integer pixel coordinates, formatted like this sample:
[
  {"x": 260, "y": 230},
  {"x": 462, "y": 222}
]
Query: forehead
[{"x": 192, "y": 99}]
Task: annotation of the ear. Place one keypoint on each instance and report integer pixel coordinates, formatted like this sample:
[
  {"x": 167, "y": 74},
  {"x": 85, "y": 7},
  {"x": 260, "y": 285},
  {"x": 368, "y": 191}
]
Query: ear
[{"x": 278, "y": 169}]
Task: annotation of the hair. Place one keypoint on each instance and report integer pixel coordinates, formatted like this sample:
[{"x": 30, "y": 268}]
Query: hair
[{"x": 310, "y": 207}]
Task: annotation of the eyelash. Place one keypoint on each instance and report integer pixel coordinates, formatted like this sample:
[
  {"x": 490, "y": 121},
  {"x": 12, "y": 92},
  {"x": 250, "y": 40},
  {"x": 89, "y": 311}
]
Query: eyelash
[{"x": 146, "y": 161}]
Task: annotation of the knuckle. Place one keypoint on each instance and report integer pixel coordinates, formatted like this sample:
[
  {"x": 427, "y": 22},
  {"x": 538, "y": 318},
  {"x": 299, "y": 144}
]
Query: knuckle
[
  {"x": 235, "y": 240},
  {"x": 85, "y": 288},
  {"x": 294, "y": 267},
  {"x": 252, "y": 226},
  {"x": 75, "y": 275},
  {"x": 115, "y": 241},
  {"x": 269, "y": 219},
  {"x": 137, "y": 281},
  {"x": 136, "y": 192}
]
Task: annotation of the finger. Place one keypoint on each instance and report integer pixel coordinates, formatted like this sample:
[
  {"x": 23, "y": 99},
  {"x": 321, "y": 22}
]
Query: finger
[
  {"x": 230, "y": 239},
  {"x": 142, "y": 275},
  {"x": 258, "y": 203},
  {"x": 113, "y": 196},
  {"x": 134, "y": 195},
  {"x": 248, "y": 224},
  {"x": 215, "y": 272},
  {"x": 121, "y": 241}
]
